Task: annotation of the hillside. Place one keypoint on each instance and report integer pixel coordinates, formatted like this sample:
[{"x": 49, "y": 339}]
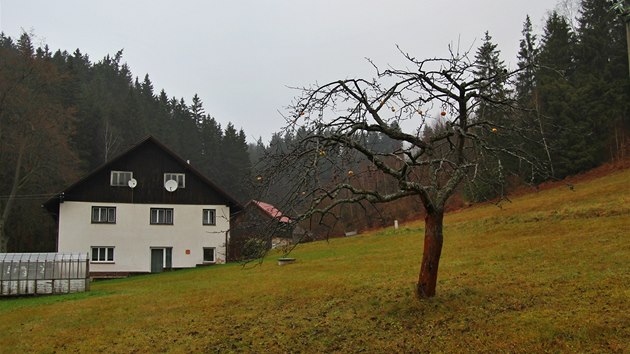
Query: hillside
[{"x": 547, "y": 272}]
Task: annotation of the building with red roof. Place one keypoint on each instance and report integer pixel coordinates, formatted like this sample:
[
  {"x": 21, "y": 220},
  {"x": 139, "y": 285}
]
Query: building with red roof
[{"x": 260, "y": 227}]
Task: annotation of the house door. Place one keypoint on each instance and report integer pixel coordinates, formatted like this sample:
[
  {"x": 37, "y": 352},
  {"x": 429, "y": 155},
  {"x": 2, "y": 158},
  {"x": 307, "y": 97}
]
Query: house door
[
  {"x": 157, "y": 260},
  {"x": 161, "y": 258}
]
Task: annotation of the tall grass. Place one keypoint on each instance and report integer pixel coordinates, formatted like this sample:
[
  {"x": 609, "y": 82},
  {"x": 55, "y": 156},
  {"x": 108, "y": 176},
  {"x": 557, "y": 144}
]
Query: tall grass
[{"x": 548, "y": 272}]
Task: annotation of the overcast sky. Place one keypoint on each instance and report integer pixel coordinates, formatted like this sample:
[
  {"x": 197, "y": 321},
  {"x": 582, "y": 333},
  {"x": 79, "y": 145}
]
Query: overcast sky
[{"x": 241, "y": 56}]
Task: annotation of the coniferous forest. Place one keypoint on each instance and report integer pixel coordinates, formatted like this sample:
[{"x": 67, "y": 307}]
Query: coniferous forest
[{"x": 63, "y": 114}]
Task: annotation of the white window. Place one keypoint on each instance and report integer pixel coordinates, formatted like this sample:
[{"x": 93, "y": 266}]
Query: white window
[
  {"x": 209, "y": 217},
  {"x": 120, "y": 178},
  {"x": 103, "y": 215},
  {"x": 179, "y": 177},
  {"x": 161, "y": 216},
  {"x": 208, "y": 254},
  {"x": 102, "y": 254}
]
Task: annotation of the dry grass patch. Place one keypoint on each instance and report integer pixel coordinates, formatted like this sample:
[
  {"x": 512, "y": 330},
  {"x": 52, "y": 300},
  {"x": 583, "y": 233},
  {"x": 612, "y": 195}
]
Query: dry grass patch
[{"x": 548, "y": 272}]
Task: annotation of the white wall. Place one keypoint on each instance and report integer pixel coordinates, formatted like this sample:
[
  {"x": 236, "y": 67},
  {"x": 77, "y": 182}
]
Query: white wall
[{"x": 133, "y": 237}]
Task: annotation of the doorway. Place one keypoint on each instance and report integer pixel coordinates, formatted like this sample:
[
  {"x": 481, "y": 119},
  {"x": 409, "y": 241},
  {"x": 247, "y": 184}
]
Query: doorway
[{"x": 161, "y": 259}]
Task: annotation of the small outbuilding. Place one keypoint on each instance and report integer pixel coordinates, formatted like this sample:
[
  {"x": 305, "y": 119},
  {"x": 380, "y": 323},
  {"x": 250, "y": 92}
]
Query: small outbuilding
[{"x": 260, "y": 227}]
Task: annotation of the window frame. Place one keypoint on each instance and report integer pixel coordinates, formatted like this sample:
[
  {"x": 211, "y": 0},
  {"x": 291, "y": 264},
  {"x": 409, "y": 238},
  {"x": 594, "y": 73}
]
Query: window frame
[
  {"x": 205, "y": 221},
  {"x": 107, "y": 220},
  {"x": 118, "y": 174},
  {"x": 214, "y": 254},
  {"x": 166, "y": 221},
  {"x": 108, "y": 252},
  {"x": 176, "y": 176}
]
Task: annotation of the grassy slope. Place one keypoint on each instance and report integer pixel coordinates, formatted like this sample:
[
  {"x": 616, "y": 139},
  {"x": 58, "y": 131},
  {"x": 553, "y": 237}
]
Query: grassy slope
[{"x": 548, "y": 272}]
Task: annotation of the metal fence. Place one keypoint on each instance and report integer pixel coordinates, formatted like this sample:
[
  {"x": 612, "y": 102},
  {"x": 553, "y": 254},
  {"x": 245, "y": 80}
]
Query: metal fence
[{"x": 43, "y": 273}]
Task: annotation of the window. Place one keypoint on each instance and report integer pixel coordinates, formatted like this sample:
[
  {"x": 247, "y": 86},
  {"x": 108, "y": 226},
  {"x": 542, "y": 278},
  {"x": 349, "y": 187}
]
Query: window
[
  {"x": 103, "y": 254},
  {"x": 179, "y": 177},
  {"x": 120, "y": 178},
  {"x": 161, "y": 216},
  {"x": 103, "y": 215},
  {"x": 208, "y": 254},
  {"x": 209, "y": 217}
]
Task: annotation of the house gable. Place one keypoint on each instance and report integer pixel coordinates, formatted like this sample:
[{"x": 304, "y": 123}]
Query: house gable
[{"x": 148, "y": 161}]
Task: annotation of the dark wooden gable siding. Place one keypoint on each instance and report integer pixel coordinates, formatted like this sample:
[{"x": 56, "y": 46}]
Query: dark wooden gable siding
[{"x": 148, "y": 161}]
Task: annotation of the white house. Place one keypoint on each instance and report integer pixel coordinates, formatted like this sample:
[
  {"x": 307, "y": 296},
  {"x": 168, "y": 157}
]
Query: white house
[{"x": 144, "y": 211}]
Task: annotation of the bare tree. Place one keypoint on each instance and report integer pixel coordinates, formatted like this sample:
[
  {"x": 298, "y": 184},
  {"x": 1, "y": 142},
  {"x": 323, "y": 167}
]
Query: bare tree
[
  {"x": 332, "y": 125},
  {"x": 34, "y": 150},
  {"x": 570, "y": 10}
]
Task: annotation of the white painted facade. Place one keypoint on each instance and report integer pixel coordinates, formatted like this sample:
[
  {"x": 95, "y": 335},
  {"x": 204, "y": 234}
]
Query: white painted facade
[{"x": 133, "y": 237}]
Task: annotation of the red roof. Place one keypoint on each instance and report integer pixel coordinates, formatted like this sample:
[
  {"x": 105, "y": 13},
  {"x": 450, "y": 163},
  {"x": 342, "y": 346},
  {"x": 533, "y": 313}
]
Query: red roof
[{"x": 272, "y": 211}]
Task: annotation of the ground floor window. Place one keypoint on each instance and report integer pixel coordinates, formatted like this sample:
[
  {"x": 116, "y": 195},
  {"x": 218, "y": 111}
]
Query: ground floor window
[
  {"x": 102, "y": 254},
  {"x": 208, "y": 254}
]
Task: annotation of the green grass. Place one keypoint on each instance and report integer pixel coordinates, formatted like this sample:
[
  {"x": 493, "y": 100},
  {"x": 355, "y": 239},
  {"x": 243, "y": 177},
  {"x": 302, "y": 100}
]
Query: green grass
[{"x": 549, "y": 272}]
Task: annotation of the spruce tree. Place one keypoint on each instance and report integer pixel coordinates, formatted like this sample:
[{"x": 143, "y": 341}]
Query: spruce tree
[
  {"x": 604, "y": 90},
  {"x": 489, "y": 112},
  {"x": 196, "y": 110},
  {"x": 530, "y": 120},
  {"x": 235, "y": 163},
  {"x": 558, "y": 100},
  {"x": 488, "y": 64},
  {"x": 527, "y": 61}
]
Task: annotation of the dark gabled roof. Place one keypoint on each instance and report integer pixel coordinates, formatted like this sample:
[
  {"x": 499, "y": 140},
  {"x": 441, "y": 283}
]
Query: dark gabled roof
[{"x": 52, "y": 204}]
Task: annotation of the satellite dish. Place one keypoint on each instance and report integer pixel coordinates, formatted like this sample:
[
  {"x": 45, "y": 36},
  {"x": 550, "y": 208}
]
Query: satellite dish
[
  {"x": 170, "y": 185},
  {"x": 132, "y": 183}
]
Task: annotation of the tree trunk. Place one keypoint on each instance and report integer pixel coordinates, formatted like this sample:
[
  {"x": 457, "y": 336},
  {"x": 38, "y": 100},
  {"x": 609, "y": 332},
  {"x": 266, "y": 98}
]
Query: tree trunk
[
  {"x": 4, "y": 241},
  {"x": 431, "y": 256},
  {"x": 4, "y": 216},
  {"x": 628, "y": 42}
]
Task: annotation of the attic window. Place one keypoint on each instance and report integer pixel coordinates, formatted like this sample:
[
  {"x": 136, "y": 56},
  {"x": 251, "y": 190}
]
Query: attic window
[
  {"x": 179, "y": 177},
  {"x": 120, "y": 178}
]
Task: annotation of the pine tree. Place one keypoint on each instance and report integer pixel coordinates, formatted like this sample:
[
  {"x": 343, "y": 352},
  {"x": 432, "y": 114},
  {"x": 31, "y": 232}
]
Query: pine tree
[
  {"x": 601, "y": 64},
  {"x": 527, "y": 62},
  {"x": 489, "y": 66},
  {"x": 197, "y": 111},
  {"x": 493, "y": 94},
  {"x": 188, "y": 143},
  {"x": 211, "y": 136},
  {"x": 235, "y": 163},
  {"x": 622, "y": 8},
  {"x": 571, "y": 150},
  {"x": 531, "y": 122}
]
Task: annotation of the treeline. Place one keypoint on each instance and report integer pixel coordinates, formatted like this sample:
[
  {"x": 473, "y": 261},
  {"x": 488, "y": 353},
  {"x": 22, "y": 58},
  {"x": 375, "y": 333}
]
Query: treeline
[
  {"x": 62, "y": 115},
  {"x": 572, "y": 93},
  {"x": 332, "y": 166},
  {"x": 568, "y": 107}
]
